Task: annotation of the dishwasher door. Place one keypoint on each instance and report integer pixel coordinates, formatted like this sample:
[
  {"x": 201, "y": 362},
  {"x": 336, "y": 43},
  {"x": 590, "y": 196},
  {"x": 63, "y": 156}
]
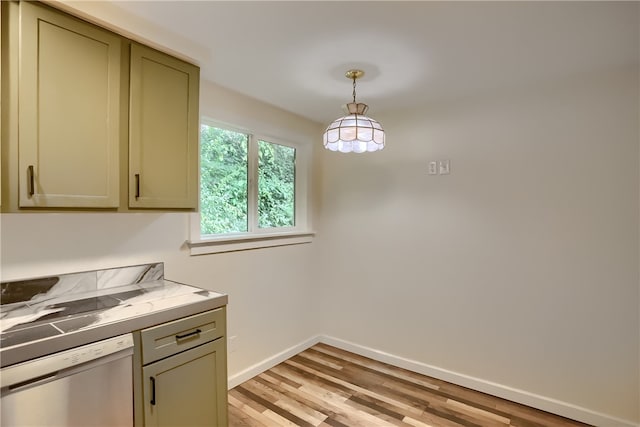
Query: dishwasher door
[{"x": 85, "y": 386}]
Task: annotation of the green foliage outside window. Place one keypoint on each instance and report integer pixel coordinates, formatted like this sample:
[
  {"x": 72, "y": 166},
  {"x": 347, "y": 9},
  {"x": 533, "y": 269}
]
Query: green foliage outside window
[
  {"x": 224, "y": 198},
  {"x": 223, "y": 181},
  {"x": 276, "y": 185}
]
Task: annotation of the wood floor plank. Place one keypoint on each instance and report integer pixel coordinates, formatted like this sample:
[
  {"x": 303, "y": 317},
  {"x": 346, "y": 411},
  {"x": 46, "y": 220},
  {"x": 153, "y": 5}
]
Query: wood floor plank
[
  {"x": 316, "y": 404},
  {"x": 244, "y": 400},
  {"x": 416, "y": 423},
  {"x": 348, "y": 386},
  {"x": 324, "y": 386},
  {"x": 463, "y": 417},
  {"x": 479, "y": 412},
  {"x": 257, "y": 416},
  {"x": 373, "y": 404},
  {"x": 309, "y": 379},
  {"x": 377, "y": 366},
  {"x": 242, "y": 418},
  {"x": 322, "y": 359},
  {"x": 330, "y": 422},
  {"x": 388, "y": 420},
  {"x": 281, "y": 378},
  {"x": 411, "y": 393},
  {"x": 271, "y": 392},
  {"x": 278, "y": 420},
  {"x": 251, "y": 392},
  {"x": 430, "y": 419},
  {"x": 336, "y": 409},
  {"x": 414, "y": 414}
]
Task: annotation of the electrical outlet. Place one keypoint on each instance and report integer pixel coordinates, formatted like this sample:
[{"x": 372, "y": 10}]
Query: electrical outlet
[
  {"x": 232, "y": 344},
  {"x": 433, "y": 168}
]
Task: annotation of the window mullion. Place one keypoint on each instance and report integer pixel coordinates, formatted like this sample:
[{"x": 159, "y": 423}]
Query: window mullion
[{"x": 252, "y": 196}]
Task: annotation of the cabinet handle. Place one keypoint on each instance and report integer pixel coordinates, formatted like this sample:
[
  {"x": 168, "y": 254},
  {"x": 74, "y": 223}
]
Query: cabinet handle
[
  {"x": 137, "y": 185},
  {"x": 31, "y": 188},
  {"x": 153, "y": 391},
  {"x": 196, "y": 332}
]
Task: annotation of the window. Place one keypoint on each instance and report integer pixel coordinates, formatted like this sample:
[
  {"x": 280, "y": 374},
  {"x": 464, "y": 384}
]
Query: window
[
  {"x": 252, "y": 191},
  {"x": 276, "y": 185},
  {"x": 223, "y": 181}
]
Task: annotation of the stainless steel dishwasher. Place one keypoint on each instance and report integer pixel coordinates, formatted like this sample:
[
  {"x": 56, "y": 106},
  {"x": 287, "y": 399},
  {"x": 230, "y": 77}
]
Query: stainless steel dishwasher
[{"x": 89, "y": 385}]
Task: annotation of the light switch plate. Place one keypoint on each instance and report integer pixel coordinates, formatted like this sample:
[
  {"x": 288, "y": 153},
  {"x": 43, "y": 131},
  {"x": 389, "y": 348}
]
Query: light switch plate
[
  {"x": 444, "y": 167},
  {"x": 433, "y": 168}
]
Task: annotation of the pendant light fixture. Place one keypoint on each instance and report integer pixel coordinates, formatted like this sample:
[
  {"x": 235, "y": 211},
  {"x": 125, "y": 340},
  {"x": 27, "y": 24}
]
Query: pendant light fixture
[{"x": 354, "y": 132}]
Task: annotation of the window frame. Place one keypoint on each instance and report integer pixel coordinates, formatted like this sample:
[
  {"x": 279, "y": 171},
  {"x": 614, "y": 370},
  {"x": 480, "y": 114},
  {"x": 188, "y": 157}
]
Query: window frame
[{"x": 256, "y": 237}]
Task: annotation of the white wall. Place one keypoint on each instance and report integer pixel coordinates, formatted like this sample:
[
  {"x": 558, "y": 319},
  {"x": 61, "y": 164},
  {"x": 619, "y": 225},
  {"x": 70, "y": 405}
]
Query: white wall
[
  {"x": 268, "y": 288},
  {"x": 521, "y": 266}
]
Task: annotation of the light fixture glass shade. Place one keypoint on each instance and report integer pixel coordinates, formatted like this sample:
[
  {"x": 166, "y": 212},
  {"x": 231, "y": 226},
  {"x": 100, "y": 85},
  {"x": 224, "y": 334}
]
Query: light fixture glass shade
[{"x": 354, "y": 133}]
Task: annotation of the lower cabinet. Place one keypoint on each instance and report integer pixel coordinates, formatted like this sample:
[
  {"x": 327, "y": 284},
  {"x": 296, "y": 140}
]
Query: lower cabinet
[
  {"x": 182, "y": 390},
  {"x": 180, "y": 372}
]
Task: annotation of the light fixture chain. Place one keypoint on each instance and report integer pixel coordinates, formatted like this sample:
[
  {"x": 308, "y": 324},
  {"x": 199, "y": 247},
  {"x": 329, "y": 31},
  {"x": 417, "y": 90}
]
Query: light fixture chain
[{"x": 354, "y": 89}]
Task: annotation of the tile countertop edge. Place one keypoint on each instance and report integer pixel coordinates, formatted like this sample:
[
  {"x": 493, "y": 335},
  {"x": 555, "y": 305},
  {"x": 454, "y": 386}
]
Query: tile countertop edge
[{"x": 50, "y": 345}]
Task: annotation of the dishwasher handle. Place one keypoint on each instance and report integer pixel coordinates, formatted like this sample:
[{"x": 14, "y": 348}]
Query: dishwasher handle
[{"x": 32, "y": 382}]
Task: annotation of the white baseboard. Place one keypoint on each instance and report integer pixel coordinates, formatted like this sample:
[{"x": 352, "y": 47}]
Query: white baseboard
[
  {"x": 270, "y": 362},
  {"x": 520, "y": 396}
]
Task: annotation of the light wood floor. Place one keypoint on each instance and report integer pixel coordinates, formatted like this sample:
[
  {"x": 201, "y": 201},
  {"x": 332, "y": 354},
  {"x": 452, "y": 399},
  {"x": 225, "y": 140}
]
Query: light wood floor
[{"x": 326, "y": 386}]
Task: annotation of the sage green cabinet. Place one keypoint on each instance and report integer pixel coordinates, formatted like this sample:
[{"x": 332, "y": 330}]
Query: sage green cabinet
[
  {"x": 91, "y": 119},
  {"x": 180, "y": 372},
  {"x": 181, "y": 390},
  {"x": 69, "y": 91},
  {"x": 163, "y": 131}
]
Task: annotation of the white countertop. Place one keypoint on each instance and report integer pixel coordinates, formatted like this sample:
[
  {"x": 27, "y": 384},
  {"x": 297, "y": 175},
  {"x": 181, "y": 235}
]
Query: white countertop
[{"x": 61, "y": 320}]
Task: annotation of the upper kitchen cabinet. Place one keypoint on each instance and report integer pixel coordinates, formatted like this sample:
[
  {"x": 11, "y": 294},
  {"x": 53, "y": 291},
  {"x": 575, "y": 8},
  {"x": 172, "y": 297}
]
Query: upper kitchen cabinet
[
  {"x": 68, "y": 111},
  {"x": 91, "y": 119},
  {"x": 163, "y": 131}
]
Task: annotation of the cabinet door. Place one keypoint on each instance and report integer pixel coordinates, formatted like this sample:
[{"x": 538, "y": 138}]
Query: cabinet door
[
  {"x": 69, "y": 89},
  {"x": 163, "y": 131},
  {"x": 188, "y": 389}
]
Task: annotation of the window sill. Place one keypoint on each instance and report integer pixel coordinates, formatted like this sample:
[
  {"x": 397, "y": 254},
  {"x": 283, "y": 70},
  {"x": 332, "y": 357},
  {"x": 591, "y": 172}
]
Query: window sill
[{"x": 245, "y": 242}]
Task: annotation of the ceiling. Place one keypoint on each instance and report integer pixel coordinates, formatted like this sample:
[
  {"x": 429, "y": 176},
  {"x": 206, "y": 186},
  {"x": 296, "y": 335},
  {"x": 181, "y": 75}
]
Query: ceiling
[{"x": 294, "y": 54}]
